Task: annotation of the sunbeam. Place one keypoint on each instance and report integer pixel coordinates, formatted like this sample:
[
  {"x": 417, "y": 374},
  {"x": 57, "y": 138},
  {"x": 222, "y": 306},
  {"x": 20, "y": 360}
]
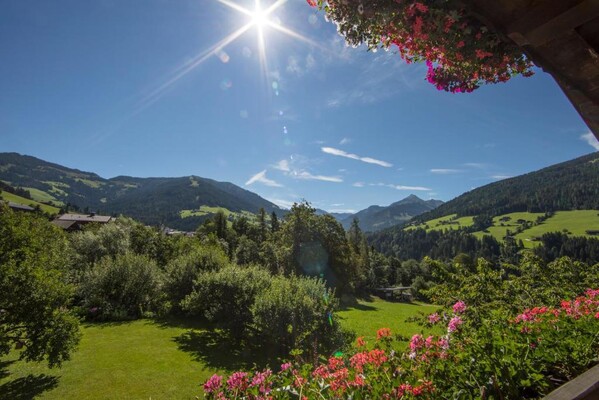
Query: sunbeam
[{"x": 258, "y": 18}]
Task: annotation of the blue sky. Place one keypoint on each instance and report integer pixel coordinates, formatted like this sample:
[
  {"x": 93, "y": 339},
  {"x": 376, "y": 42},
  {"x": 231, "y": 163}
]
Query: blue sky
[{"x": 137, "y": 87}]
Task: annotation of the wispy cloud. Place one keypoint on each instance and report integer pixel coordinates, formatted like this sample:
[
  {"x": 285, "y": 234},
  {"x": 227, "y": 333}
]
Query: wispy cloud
[
  {"x": 345, "y": 140},
  {"x": 341, "y": 153},
  {"x": 282, "y": 165},
  {"x": 402, "y": 187},
  {"x": 359, "y": 184},
  {"x": 445, "y": 171},
  {"x": 475, "y": 165},
  {"x": 310, "y": 177},
  {"x": 282, "y": 203},
  {"x": 591, "y": 140},
  {"x": 260, "y": 177},
  {"x": 342, "y": 210},
  {"x": 500, "y": 177},
  {"x": 381, "y": 77}
]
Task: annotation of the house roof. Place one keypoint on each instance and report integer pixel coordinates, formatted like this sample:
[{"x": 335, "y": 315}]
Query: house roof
[
  {"x": 21, "y": 207},
  {"x": 64, "y": 224},
  {"x": 84, "y": 218}
]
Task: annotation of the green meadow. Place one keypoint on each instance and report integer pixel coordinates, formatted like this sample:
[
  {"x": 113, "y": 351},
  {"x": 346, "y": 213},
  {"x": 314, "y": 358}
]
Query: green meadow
[
  {"x": 22, "y": 200},
  {"x": 573, "y": 223},
  {"x": 149, "y": 359}
]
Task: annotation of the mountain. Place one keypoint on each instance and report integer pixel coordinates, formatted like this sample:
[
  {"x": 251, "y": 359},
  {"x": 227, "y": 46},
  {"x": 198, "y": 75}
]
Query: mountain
[
  {"x": 376, "y": 218},
  {"x": 338, "y": 216},
  {"x": 571, "y": 185},
  {"x": 181, "y": 203},
  {"x": 555, "y": 207}
]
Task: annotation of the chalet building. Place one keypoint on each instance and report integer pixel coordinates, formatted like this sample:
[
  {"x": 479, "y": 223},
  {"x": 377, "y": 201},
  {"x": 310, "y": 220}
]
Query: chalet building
[{"x": 74, "y": 222}]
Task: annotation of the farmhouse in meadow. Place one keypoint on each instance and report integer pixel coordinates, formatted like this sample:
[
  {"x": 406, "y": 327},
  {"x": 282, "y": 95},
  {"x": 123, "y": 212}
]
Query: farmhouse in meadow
[{"x": 73, "y": 222}]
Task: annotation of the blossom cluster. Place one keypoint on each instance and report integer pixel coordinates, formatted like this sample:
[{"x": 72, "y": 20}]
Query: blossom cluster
[
  {"x": 431, "y": 366},
  {"x": 460, "y": 52},
  {"x": 581, "y": 306}
]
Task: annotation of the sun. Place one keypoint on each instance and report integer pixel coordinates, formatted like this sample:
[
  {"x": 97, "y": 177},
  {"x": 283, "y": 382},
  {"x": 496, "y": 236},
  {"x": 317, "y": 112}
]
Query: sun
[{"x": 259, "y": 18}]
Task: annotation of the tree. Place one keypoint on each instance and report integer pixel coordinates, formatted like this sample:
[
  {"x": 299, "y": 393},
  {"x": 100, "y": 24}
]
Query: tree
[
  {"x": 461, "y": 52},
  {"x": 274, "y": 223},
  {"x": 34, "y": 294},
  {"x": 262, "y": 225}
]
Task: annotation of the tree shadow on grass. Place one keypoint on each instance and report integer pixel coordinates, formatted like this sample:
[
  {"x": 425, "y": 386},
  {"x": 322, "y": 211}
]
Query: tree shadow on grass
[
  {"x": 181, "y": 322},
  {"x": 4, "y": 368},
  {"x": 217, "y": 349},
  {"x": 349, "y": 303},
  {"x": 27, "y": 387}
]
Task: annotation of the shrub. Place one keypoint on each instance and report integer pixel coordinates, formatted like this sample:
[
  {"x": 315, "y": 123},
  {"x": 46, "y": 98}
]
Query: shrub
[
  {"x": 184, "y": 270},
  {"x": 226, "y": 296},
  {"x": 120, "y": 288},
  {"x": 297, "y": 313},
  {"x": 34, "y": 295}
]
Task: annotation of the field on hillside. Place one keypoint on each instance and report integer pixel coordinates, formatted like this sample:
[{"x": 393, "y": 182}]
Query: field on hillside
[
  {"x": 22, "y": 200},
  {"x": 40, "y": 195},
  {"x": 511, "y": 222},
  {"x": 149, "y": 359},
  {"x": 450, "y": 222},
  {"x": 574, "y": 223},
  {"x": 207, "y": 210}
]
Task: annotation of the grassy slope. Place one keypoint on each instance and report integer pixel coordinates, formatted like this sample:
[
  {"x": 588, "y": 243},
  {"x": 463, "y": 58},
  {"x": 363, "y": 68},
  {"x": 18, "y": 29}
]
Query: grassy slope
[
  {"x": 575, "y": 222},
  {"x": 498, "y": 231},
  {"x": 39, "y": 195},
  {"x": 22, "y": 200},
  {"x": 443, "y": 223},
  {"x": 207, "y": 210},
  {"x": 146, "y": 359}
]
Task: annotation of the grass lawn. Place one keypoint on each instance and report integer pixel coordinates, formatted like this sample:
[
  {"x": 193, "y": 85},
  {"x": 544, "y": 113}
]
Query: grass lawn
[
  {"x": 154, "y": 360},
  {"x": 366, "y": 317},
  {"x": 132, "y": 360},
  {"x": 22, "y": 200}
]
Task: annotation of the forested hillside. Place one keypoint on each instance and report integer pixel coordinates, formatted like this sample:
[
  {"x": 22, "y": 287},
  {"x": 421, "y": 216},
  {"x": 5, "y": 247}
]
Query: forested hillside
[
  {"x": 572, "y": 185},
  {"x": 167, "y": 201}
]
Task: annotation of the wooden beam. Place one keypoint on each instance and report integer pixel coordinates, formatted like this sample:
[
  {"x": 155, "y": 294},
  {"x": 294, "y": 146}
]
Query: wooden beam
[{"x": 538, "y": 34}]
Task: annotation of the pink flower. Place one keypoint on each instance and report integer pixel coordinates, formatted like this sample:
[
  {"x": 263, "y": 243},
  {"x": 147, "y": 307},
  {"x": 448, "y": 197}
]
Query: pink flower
[
  {"x": 238, "y": 381},
  {"x": 358, "y": 361},
  {"x": 285, "y": 367},
  {"x": 416, "y": 342},
  {"x": 459, "y": 307},
  {"x": 377, "y": 357},
  {"x": 312, "y": 3},
  {"x": 213, "y": 383},
  {"x": 336, "y": 363},
  {"x": 434, "y": 318},
  {"x": 421, "y": 7},
  {"x": 443, "y": 343},
  {"x": 454, "y": 324},
  {"x": 260, "y": 378}
]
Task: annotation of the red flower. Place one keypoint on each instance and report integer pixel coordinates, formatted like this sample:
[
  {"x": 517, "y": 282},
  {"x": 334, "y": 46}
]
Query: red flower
[
  {"x": 312, "y": 3},
  {"x": 383, "y": 333}
]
